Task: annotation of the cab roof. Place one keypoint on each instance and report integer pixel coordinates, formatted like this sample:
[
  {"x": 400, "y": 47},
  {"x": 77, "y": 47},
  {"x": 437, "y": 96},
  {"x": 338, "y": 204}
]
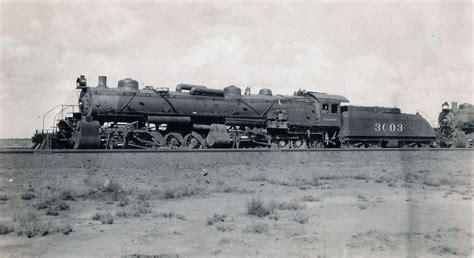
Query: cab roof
[{"x": 323, "y": 96}]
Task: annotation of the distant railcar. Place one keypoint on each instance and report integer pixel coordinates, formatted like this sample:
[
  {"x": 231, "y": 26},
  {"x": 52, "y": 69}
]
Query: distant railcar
[{"x": 456, "y": 125}]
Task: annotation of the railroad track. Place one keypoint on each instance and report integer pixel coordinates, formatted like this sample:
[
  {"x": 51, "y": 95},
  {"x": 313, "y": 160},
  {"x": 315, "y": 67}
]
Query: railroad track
[{"x": 53, "y": 151}]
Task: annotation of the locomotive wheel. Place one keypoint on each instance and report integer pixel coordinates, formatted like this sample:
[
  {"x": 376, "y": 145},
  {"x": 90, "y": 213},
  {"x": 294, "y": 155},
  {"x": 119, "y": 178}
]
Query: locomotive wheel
[
  {"x": 317, "y": 144},
  {"x": 174, "y": 140},
  {"x": 298, "y": 144},
  {"x": 280, "y": 144},
  {"x": 193, "y": 141},
  {"x": 347, "y": 145}
]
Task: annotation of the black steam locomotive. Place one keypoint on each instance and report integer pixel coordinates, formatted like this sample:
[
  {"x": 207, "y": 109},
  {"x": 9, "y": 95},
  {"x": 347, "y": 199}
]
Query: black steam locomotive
[{"x": 195, "y": 116}]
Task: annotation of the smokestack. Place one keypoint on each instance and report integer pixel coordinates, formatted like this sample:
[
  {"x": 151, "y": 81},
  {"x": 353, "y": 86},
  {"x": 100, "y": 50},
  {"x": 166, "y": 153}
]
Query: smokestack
[
  {"x": 102, "y": 82},
  {"x": 454, "y": 105}
]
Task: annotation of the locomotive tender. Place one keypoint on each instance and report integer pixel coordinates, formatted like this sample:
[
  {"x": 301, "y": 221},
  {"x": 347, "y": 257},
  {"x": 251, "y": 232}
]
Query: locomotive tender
[{"x": 194, "y": 116}]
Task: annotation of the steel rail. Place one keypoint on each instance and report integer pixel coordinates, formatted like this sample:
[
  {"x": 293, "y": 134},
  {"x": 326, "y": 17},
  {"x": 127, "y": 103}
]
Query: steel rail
[{"x": 66, "y": 151}]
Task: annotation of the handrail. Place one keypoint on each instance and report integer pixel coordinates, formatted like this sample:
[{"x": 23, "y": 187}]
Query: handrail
[
  {"x": 51, "y": 110},
  {"x": 63, "y": 108}
]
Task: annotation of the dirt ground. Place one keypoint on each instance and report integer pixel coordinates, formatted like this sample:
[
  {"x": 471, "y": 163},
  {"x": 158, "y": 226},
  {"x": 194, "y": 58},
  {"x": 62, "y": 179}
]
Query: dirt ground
[
  {"x": 271, "y": 204},
  {"x": 15, "y": 143}
]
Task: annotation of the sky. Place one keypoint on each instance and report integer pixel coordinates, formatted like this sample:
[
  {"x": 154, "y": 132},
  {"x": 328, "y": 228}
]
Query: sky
[{"x": 414, "y": 56}]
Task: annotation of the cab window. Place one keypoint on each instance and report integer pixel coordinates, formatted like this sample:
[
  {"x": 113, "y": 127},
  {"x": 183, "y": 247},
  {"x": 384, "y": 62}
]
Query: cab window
[
  {"x": 325, "y": 108},
  {"x": 334, "y": 108}
]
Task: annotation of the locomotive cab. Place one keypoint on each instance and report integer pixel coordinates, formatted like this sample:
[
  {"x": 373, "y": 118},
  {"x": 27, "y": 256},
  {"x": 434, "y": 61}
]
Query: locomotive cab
[{"x": 328, "y": 109}]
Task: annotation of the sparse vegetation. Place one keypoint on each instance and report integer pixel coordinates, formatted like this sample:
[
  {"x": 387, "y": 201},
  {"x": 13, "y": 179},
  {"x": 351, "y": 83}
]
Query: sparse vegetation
[
  {"x": 224, "y": 228},
  {"x": 328, "y": 177},
  {"x": 431, "y": 182},
  {"x": 65, "y": 229},
  {"x": 105, "y": 218},
  {"x": 139, "y": 208},
  {"x": 68, "y": 195},
  {"x": 291, "y": 205},
  {"x": 5, "y": 228},
  {"x": 362, "y": 198},
  {"x": 30, "y": 225},
  {"x": 259, "y": 178},
  {"x": 27, "y": 196},
  {"x": 306, "y": 183},
  {"x": 52, "y": 204},
  {"x": 223, "y": 188},
  {"x": 361, "y": 177},
  {"x": 257, "y": 228},
  {"x": 112, "y": 187},
  {"x": 274, "y": 216},
  {"x": 279, "y": 181},
  {"x": 259, "y": 208},
  {"x": 181, "y": 191},
  {"x": 122, "y": 214},
  {"x": 310, "y": 198},
  {"x": 216, "y": 218},
  {"x": 300, "y": 218},
  {"x": 170, "y": 214}
]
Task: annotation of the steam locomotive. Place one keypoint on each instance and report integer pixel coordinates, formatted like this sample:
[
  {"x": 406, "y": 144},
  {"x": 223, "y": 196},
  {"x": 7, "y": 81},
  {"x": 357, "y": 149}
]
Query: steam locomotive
[
  {"x": 194, "y": 116},
  {"x": 456, "y": 125}
]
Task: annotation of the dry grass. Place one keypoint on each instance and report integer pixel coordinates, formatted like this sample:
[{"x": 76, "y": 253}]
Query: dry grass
[
  {"x": 306, "y": 183},
  {"x": 328, "y": 177},
  {"x": 170, "y": 214},
  {"x": 310, "y": 198},
  {"x": 259, "y": 208},
  {"x": 431, "y": 182},
  {"x": 216, "y": 218},
  {"x": 5, "y": 228},
  {"x": 290, "y": 205},
  {"x": 137, "y": 207},
  {"x": 105, "y": 218},
  {"x": 181, "y": 191},
  {"x": 65, "y": 229},
  {"x": 259, "y": 178},
  {"x": 224, "y": 228},
  {"x": 300, "y": 218},
  {"x": 52, "y": 204},
  {"x": 27, "y": 196},
  {"x": 257, "y": 228},
  {"x": 361, "y": 177},
  {"x": 29, "y": 225}
]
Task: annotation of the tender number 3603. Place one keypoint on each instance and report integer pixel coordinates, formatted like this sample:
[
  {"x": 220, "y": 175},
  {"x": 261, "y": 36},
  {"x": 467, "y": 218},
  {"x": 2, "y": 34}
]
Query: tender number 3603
[{"x": 385, "y": 127}]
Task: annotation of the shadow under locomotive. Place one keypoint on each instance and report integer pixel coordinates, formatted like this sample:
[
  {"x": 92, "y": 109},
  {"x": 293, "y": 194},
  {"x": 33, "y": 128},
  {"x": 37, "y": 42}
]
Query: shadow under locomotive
[{"x": 196, "y": 117}]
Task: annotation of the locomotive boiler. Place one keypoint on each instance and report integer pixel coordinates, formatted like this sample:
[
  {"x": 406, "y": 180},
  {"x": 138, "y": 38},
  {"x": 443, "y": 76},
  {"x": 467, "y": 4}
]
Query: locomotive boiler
[
  {"x": 195, "y": 116},
  {"x": 456, "y": 125}
]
